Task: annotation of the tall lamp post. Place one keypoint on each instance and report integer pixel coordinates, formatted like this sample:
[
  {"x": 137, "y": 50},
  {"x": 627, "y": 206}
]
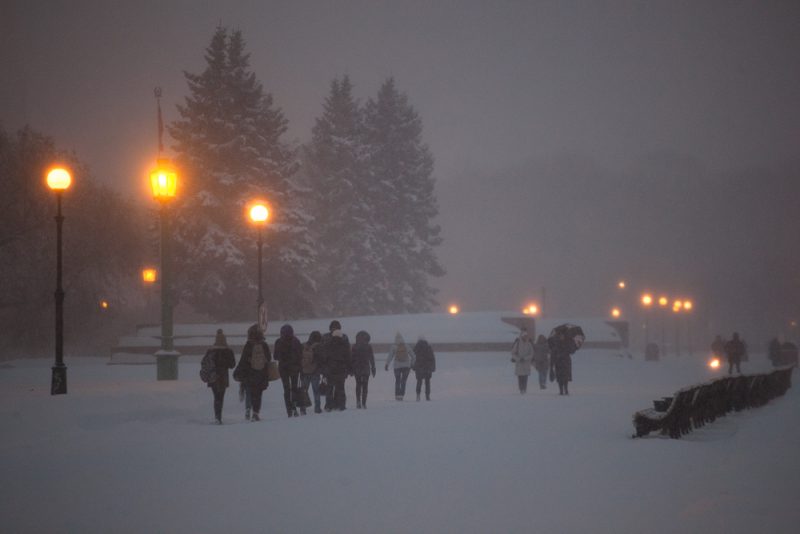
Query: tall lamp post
[
  {"x": 259, "y": 213},
  {"x": 662, "y": 303},
  {"x": 164, "y": 181},
  {"x": 647, "y": 301},
  {"x": 59, "y": 180},
  {"x": 688, "y": 305}
]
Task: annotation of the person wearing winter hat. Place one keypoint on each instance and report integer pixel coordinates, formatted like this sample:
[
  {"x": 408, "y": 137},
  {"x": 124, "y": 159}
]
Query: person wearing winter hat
[
  {"x": 424, "y": 366},
  {"x": 337, "y": 365},
  {"x": 363, "y": 366},
  {"x": 289, "y": 353},
  {"x": 311, "y": 367},
  {"x": 521, "y": 357},
  {"x": 402, "y": 357},
  {"x": 253, "y": 369},
  {"x": 220, "y": 358}
]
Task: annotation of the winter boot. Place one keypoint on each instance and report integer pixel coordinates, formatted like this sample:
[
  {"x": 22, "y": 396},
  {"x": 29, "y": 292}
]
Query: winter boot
[
  {"x": 255, "y": 417},
  {"x": 294, "y": 413},
  {"x": 302, "y": 411},
  {"x": 247, "y": 414},
  {"x": 358, "y": 405},
  {"x": 427, "y": 397},
  {"x": 219, "y": 421},
  {"x": 417, "y": 397},
  {"x": 317, "y": 408}
]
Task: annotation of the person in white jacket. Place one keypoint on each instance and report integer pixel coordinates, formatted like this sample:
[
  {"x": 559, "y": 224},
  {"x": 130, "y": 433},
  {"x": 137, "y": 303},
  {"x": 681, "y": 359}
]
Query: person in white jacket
[
  {"x": 402, "y": 357},
  {"x": 522, "y": 355}
]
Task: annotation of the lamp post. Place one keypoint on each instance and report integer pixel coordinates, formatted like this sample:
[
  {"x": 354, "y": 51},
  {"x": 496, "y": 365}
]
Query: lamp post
[
  {"x": 688, "y": 305},
  {"x": 259, "y": 213},
  {"x": 647, "y": 301},
  {"x": 662, "y": 303},
  {"x": 163, "y": 181},
  {"x": 59, "y": 180}
]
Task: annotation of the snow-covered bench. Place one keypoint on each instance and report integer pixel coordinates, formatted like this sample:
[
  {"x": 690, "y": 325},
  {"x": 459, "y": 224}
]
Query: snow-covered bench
[{"x": 694, "y": 406}]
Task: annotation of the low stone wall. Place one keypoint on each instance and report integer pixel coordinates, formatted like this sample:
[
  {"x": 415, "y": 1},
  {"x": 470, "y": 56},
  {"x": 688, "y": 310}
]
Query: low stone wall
[{"x": 695, "y": 406}]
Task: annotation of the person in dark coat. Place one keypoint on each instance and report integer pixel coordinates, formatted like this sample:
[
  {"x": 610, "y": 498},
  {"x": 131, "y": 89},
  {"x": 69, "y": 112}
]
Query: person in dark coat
[
  {"x": 311, "y": 368},
  {"x": 560, "y": 361},
  {"x": 541, "y": 359},
  {"x": 289, "y": 354},
  {"x": 424, "y": 366},
  {"x": 734, "y": 350},
  {"x": 337, "y": 365},
  {"x": 253, "y": 369},
  {"x": 223, "y": 360},
  {"x": 363, "y": 366}
]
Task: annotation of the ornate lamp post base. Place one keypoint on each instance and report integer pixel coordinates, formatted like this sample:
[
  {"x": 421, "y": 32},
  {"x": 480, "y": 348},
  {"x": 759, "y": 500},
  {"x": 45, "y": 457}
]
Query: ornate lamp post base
[
  {"x": 58, "y": 386},
  {"x": 167, "y": 364}
]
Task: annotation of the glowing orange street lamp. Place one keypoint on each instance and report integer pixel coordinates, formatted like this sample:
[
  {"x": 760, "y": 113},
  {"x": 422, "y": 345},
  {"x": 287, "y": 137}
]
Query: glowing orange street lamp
[
  {"x": 104, "y": 304},
  {"x": 647, "y": 300},
  {"x": 453, "y": 309},
  {"x": 616, "y": 313},
  {"x": 531, "y": 309},
  {"x": 621, "y": 284},
  {"x": 687, "y": 305},
  {"x": 164, "y": 185},
  {"x": 149, "y": 275},
  {"x": 663, "y": 301},
  {"x": 259, "y": 213},
  {"x": 58, "y": 180}
]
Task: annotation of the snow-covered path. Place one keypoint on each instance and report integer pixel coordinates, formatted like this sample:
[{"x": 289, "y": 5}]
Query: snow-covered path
[{"x": 125, "y": 453}]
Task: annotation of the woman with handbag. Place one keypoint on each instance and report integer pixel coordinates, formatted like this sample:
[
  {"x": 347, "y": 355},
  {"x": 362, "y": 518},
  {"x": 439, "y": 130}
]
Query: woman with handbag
[
  {"x": 521, "y": 356},
  {"x": 253, "y": 369},
  {"x": 311, "y": 368}
]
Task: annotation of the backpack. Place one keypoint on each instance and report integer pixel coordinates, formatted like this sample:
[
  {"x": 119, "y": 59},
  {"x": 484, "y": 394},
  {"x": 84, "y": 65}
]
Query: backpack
[
  {"x": 402, "y": 353},
  {"x": 208, "y": 368},
  {"x": 258, "y": 359},
  {"x": 308, "y": 360}
]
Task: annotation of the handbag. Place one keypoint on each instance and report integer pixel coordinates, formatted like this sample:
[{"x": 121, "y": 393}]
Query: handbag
[
  {"x": 273, "y": 373},
  {"x": 301, "y": 398},
  {"x": 324, "y": 387}
]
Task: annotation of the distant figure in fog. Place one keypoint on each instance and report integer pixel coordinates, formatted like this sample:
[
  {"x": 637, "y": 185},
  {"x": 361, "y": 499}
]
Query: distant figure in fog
[
  {"x": 522, "y": 356},
  {"x": 564, "y": 340},
  {"x": 734, "y": 351},
  {"x": 223, "y": 359},
  {"x": 311, "y": 368},
  {"x": 337, "y": 363},
  {"x": 541, "y": 359},
  {"x": 363, "y": 366},
  {"x": 253, "y": 370},
  {"x": 424, "y": 366},
  {"x": 402, "y": 358}
]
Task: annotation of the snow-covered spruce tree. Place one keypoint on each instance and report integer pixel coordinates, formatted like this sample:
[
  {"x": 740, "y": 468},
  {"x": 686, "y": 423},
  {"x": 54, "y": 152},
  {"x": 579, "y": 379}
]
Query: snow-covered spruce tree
[
  {"x": 401, "y": 189},
  {"x": 347, "y": 271},
  {"x": 229, "y": 147}
]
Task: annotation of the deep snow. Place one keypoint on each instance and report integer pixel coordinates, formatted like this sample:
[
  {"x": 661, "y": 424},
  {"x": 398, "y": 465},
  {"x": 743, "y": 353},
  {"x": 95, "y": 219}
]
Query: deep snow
[{"x": 122, "y": 452}]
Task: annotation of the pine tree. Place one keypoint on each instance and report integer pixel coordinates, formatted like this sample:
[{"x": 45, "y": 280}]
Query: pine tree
[
  {"x": 335, "y": 168},
  {"x": 228, "y": 141},
  {"x": 401, "y": 187}
]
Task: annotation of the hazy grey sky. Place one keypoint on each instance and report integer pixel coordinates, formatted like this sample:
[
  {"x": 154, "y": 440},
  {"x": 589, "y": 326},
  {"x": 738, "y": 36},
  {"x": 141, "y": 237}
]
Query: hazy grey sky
[{"x": 514, "y": 94}]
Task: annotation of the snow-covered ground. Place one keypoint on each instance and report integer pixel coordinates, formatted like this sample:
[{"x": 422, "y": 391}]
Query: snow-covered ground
[{"x": 122, "y": 452}]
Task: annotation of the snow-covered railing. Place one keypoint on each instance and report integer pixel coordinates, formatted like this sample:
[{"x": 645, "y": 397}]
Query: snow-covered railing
[{"x": 694, "y": 406}]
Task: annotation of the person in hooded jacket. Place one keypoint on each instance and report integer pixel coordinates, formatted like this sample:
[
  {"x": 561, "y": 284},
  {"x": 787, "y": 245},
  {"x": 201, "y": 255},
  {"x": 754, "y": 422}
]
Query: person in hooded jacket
[
  {"x": 311, "y": 368},
  {"x": 253, "y": 369},
  {"x": 402, "y": 357},
  {"x": 560, "y": 362},
  {"x": 424, "y": 366},
  {"x": 735, "y": 350},
  {"x": 337, "y": 365},
  {"x": 521, "y": 356},
  {"x": 224, "y": 359},
  {"x": 289, "y": 353},
  {"x": 363, "y": 366}
]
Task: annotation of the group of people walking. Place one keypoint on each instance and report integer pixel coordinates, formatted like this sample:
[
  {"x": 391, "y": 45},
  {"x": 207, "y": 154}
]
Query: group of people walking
[
  {"x": 321, "y": 364},
  {"x": 550, "y": 356}
]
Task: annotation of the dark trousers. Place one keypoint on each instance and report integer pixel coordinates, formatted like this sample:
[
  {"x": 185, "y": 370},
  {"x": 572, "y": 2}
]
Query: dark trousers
[
  {"x": 255, "y": 397},
  {"x": 400, "y": 378},
  {"x": 289, "y": 385},
  {"x": 219, "y": 397},
  {"x": 362, "y": 385},
  {"x": 336, "y": 399},
  {"x": 427, "y": 380},
  {"x": 734, "y": 362},
  {"x": 313, "y": 381},
  {"x": 523, "y": 383}
]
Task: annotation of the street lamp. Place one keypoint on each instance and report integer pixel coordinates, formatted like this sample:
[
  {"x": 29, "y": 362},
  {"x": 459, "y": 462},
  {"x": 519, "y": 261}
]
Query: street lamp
[
  {"x": 616, "y": 313},
  {"x": 259, "y": 213},
  {"x": 59, "y": 180},
  {"x": 663, "y": 302},
  {"x": 453, "y": 309},
  {"x": 688, "y": 306},
  {"x": 164, "y": 182},
  {"x": 149, "y": 275},
  {"x": 531, "y": 309}
]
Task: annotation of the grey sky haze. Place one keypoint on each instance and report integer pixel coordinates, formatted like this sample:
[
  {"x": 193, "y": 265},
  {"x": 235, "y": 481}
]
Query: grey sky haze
[{"x": 516, "y": 98}]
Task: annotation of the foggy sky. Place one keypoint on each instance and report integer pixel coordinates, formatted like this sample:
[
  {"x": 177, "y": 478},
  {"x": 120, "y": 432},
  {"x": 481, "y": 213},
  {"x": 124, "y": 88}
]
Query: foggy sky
[{"x": 575, "y": 142}]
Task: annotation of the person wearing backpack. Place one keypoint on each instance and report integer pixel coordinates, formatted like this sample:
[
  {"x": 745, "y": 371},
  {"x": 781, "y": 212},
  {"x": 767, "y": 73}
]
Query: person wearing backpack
[
  {"x": 214, "y": 371},
  {"x": 253, "y": 369},
  {"x": 289, "y": 354},
  {"x": 402, "y": 358},
  {"x": 311, "y": 367},
  {"x": 363, "y": 366},
  {"x": 424, "y": 366}
]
